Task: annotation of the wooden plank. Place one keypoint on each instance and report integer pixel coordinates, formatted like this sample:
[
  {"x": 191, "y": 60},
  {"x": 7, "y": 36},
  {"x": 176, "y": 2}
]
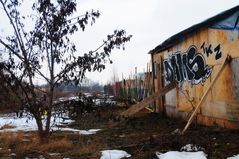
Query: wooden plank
[
  {"x": 137, "y": 107},
  {"x": 159, "y": 106},
  {"x": 204, "y": 95},
  {"x": 149, "y": 109},
  {"x": 161, "y": 80}
]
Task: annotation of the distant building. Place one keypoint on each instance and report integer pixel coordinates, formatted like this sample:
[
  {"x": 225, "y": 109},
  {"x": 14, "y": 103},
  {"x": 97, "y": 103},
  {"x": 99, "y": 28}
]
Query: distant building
[{"x": 193, "y": 57}]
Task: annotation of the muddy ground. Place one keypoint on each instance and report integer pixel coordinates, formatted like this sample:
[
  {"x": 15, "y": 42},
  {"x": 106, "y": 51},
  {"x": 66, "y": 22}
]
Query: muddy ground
[
  {"x": 140, "y": 136},
  {"x": 143, "y": 135}
]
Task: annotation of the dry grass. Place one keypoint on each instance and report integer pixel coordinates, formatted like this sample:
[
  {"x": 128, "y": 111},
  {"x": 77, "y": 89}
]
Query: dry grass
[
  {"x": 9, "y": 139},
  {"x": 86, "y": 149},
  {"x": 65, "y": 143},
  {"x": 56, "y": 145},
  {"x": 7, "y": 126},
  {"x": 68, "y": 144},
  {"x": 23, "y": 143}
]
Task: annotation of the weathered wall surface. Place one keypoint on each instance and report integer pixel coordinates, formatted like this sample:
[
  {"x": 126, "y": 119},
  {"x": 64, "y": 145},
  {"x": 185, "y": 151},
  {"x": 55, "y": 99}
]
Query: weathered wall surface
[{"x": 193, "y": 63}]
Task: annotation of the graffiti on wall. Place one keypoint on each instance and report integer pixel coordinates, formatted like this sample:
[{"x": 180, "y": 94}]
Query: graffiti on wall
[
  {"x": 208, "y": 50},
  {"x": 188, "y": 66}
]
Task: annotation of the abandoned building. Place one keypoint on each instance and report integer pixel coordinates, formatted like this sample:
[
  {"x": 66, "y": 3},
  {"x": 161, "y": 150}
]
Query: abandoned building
[{"x": 204, "y": 62}]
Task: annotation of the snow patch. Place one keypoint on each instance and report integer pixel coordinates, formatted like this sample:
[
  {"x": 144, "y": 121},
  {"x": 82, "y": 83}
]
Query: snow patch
[
  {"x": 17, "y": 124},
  {"x": 181, "y": 155},
  {"x": 234, "y": 157},
  {"x": 11, "y": 123},
  {"x": 82, "y": 132},
  {"x": 114, "y": 154},
  {"x": 89, "y": 132}
]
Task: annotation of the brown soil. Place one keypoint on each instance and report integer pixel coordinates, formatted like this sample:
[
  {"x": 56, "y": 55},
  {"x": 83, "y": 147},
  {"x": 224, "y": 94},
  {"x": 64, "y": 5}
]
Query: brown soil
[{"x": 140, "y": 136}]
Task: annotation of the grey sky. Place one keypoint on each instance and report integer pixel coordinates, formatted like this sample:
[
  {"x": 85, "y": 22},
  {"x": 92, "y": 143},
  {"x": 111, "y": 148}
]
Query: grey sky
[{"x": 149, "y": 21}]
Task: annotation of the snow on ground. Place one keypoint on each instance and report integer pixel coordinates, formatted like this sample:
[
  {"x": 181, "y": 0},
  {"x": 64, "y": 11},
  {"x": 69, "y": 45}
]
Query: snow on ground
[
  {"x": 24, "y": 123},
  {"x": 114, "y": 154},
  {"x": 14, "y": 123},
  {"x": 10, "y": 122},
  {"x": 98, "y": 101},
  {"x": 82, "y": 132},
  {"x": 17, "y": 124},
  {"x": 234, "y": 157},
  {"x": 191, "y": 148},
  {"x": 189, "y": 151},
  {"x": 89, "y": 132},
  {"x": 181, "y": 155}
]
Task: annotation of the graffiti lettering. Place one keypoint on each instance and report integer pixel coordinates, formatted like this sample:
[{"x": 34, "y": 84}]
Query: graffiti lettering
[
  {"x": 190, "y": 66},
  {"x": 218, "y": 52},
  {"x": 208, "y": 50}
]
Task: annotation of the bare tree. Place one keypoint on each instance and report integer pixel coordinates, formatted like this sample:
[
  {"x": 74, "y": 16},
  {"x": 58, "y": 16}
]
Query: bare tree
[{"x": 26, "y": 51}]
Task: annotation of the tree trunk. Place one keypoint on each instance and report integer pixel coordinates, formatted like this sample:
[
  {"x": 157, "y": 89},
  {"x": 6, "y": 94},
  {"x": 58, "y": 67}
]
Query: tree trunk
[
  {"x": 39, "y": 126},
  {"x": 48, "y": 120},
  {"x": 43, "y": 134}
]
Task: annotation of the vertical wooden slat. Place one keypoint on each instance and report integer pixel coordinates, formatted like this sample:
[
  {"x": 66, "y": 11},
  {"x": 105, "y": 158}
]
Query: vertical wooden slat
[{"x": 139, "y": 106}]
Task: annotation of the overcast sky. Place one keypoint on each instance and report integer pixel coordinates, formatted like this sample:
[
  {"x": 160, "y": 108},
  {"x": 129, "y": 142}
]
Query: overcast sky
[{"x": 149, "y": 21}]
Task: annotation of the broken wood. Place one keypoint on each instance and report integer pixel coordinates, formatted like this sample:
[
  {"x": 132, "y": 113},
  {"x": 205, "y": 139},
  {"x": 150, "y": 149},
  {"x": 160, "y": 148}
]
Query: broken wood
[
  {"x": 204, "y": 95},
  {"x": 149, "y": 109},
  {"x": 139, "y": 106}
]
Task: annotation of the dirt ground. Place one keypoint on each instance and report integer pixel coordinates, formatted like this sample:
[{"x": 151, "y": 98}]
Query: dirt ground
[{"x": 140, "y": 136}]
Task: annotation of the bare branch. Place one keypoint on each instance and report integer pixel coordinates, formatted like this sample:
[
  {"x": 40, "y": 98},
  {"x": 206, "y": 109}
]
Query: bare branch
[
  {"x": 15, "y": 78},
  {"x": 12, "y": 23},
  {"x": 12, "y": 50}
]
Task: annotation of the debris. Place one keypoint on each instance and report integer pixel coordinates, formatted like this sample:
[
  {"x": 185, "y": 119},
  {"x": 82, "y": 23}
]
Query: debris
[
  {"x": 122, "y": 136},
  {"x": 54, "y": 154},
  {"x": 176, "y": 131},
  {"x": 192, "y": 148},
  {"x": 12, "y": 154},
  {"x": 26, "y": 140}
]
